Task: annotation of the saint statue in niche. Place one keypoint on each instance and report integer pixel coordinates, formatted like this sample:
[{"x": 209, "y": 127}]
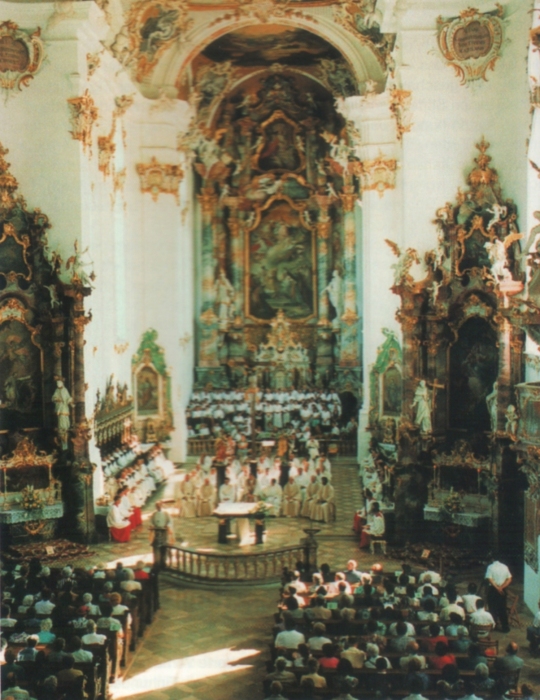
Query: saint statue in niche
[
  {"x": 423, "y": 407},
  {"x": 147, "y": 391},
  {"x": 62, "y": 401},
  {"x": 491, "y": 401},
  {"x": 335, "y": 294},
  {"x": 225, "y": 299}
]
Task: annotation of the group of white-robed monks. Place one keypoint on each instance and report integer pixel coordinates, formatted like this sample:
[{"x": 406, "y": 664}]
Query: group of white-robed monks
[{"x": 308, "y": 492}]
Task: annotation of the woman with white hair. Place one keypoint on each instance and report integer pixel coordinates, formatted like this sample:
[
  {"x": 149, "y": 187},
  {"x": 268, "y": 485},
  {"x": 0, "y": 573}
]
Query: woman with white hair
[
  {"x": 129, "y": 583},
  {"x": 27, "y": 603},
  {"x": 45, "y": 635},
  {"x": 87, "y": 602}
]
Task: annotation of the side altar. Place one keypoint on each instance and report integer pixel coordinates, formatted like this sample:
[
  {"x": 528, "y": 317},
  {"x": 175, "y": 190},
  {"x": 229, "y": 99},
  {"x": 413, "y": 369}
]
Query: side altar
[{"x": 31, "y": 496}]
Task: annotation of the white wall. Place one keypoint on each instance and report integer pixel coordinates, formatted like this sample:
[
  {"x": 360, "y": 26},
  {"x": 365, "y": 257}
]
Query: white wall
[{"x": 141, "y": 250}]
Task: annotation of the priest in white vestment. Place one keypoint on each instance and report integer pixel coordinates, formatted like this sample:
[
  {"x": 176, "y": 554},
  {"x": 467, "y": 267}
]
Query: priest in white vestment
[
  {"x": 205, "y": 500},
  {"x": 186, "y": 501},
  {"x": 273, "y": 494},
  {"x": 292, "y": 499},
  {"x": 312, "y": 492},
  {"x": 324, "y": 509}
]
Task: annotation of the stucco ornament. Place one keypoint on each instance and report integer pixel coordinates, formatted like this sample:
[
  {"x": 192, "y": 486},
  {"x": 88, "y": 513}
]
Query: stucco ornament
[
  {"x": 21, "y": 56},
  {"x": 472, "y": 42}
]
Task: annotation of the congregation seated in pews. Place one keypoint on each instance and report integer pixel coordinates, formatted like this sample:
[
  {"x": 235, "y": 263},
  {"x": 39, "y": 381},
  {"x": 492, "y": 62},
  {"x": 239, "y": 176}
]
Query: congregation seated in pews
[
  {"x": 299, "y": 488},
  {"x": 376, "y": 635},
  {"x": 131, "y": 478},
  {"x": 66, "y": 632}
]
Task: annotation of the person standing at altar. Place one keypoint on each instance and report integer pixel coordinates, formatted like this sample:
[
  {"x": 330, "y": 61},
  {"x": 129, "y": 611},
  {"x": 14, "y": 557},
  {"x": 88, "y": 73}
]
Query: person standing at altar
[
  {"x": 119, "y": 526},
  {"x": 226, "y": 492},
  {"x": 135, "y": 501}
]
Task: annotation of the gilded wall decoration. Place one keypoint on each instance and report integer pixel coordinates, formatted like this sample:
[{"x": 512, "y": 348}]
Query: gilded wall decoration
[
  {"x": 377, "y": 174},
  {"x": 21, "y": 56},
  {"x": 160, "y": 178},
  {"x": 487, "y": 232},
  {"x": 406, "y": 258},
  {"x": 264, "y": 11},
  {"x": 106, "y": 150},
  {"x": 400, "y": 104},
  {"x": 93, "y": 62},
  {"x": 471, "y": 43},
  {"x": 362, "y": 19},
  {"x": 83, "y": 115},
  {"x": 149, "y": 30}
]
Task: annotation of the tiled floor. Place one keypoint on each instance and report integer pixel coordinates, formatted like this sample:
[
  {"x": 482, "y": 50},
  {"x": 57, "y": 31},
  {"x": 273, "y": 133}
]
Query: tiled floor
[{"x": 212, "y": 645}]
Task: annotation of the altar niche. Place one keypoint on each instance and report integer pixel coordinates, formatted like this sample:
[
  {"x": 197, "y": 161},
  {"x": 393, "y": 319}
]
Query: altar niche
[
  {"x": 43, "y": 431},
  {"x": 277, "y": 182}
]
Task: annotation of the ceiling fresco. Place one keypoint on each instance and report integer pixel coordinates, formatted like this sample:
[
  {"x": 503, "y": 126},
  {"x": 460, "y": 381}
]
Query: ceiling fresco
[{"x": 263, "y": 45}]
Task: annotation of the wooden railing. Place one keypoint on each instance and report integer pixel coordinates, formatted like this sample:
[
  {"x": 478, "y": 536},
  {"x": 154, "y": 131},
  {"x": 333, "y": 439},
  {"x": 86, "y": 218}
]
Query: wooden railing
[
  {"x": 262, "y": 567},
  {"x": 337, "y": 448}
]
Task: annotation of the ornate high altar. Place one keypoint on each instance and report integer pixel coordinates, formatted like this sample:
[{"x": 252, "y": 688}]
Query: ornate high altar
[
  {"x": 277, "y": 187},
  {"x": 282, "y": 362},
  {"x": 462, "y": 358},
  {"x": 43, "y": 430}
]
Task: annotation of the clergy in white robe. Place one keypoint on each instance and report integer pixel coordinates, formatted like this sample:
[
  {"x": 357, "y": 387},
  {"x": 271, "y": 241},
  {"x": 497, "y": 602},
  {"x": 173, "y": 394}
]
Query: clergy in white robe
[
  {"x": 312, "y": 492},
  {"x": 186, "y": 502},
  {"x": 292, "y": 499},
  {"x": 119, "y": 526},
  {"x": 206, "y": 499},
  {"x": 226, "y": 492},
  {"x": 324, "y": 509},
  {"x": 273, "y": 494}
]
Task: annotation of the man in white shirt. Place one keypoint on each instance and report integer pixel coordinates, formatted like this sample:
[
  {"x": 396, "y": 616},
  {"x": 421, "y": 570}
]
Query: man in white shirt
[
  {"x": 289, "y": 638},
  {"x": 498, "y": 577},
  {"x": 470, "y": 598},
  {"x": 91, "y": 637},
  {"x": 434, "y": 576},
  {"x": 482, "y": 617}
]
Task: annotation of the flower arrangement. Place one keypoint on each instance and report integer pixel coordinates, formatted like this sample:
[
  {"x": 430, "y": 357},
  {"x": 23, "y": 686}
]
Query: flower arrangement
[
  {"x": 30, "y": 499},
  {"x": 452, "y": 504}
]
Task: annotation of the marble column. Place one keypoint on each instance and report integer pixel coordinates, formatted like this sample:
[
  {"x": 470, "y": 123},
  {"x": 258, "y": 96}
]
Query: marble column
[
  {"x": 236, "y": 231},
  {"x": 349, "y": 351},
  {"x": 325, "y": 336},
  {"x": 209, "y": 336}
]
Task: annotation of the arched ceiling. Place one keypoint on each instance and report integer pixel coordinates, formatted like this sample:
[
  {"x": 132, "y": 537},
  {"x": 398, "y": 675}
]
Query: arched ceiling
[{"x": 165, "y": 43}]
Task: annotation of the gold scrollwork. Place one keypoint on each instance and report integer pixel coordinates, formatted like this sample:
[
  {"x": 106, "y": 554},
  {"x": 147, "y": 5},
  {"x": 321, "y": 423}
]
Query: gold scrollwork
[
  {"x": 22, "y": 56},
  {"x": 471, "y": 43},
  {"x": 160, "y": 178},
  {"x": 83, "y": 115},
  {"x": 377, "y": 174}
]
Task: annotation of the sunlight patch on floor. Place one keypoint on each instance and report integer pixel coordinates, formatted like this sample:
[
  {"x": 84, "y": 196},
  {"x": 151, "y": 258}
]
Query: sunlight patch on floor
[{"x": 177, "y": 671}]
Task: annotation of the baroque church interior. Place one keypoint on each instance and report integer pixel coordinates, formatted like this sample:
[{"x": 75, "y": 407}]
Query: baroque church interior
[{"x": 269, "y": 310}]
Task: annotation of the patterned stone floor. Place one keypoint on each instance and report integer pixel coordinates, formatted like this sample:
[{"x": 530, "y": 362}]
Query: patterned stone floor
[{"x": 213, "y": 645}]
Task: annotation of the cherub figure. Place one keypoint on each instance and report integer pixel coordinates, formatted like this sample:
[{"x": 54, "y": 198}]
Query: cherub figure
[{"x": 77, "y": 265}]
